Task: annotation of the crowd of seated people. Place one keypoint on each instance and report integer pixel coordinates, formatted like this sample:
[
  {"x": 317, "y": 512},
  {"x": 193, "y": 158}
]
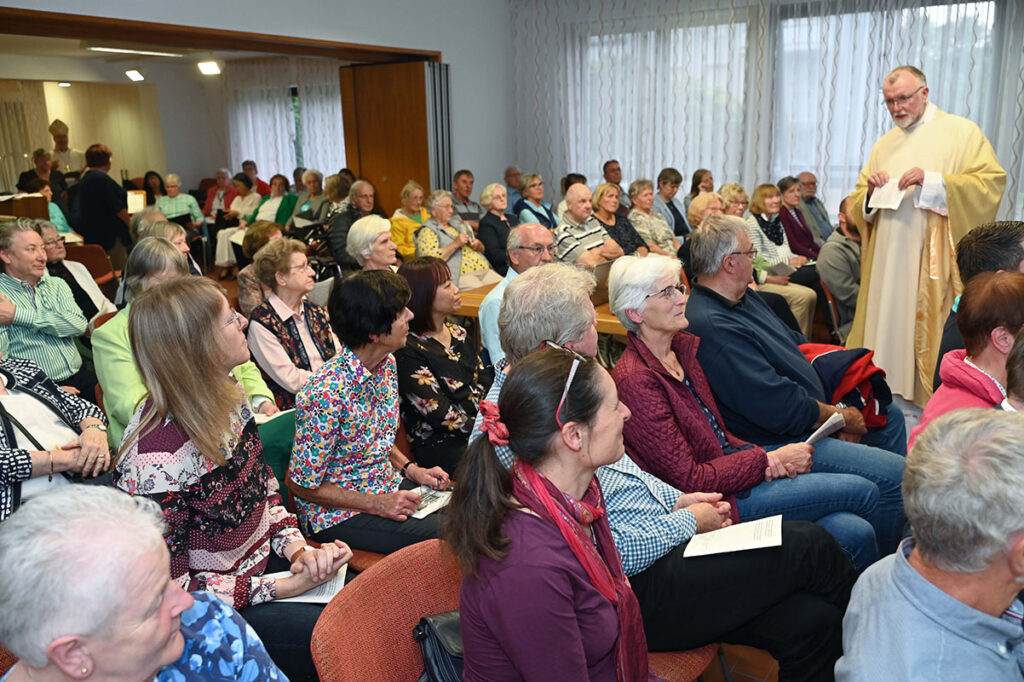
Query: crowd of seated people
[{"x": 577, "y": 487}]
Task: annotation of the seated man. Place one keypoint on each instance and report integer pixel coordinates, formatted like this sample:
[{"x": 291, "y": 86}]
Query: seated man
[
  {"x": 767, "y": 391},
  {"x": 38, "y": 311},
  {"x": 839, "y": 267},
  {"x": 361, "y": 198},
  {"x": 992, "y": 247},
  {"x": 581, "y": 239},
  {"x": 469, "y": 211},
  {"x": 88, "y": 297},
  {"x": 513, "y": 176},
  {"x": 528, "y": 245},
  {"x": 787, "y": 600},
  {"x": 989, "y": 317},
  {"x": 944, "y": 607}
]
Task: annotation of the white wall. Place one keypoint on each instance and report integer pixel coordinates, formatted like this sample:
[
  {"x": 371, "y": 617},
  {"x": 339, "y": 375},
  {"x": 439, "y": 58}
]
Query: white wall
[
  {"x": 473, "y": 36},
  {"x": 191, "y": 108}
]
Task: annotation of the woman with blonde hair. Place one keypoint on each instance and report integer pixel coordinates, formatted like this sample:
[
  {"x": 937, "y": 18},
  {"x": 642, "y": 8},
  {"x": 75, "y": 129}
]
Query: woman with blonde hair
[
  {"x": 202, "y": 462},
  {"x": 407, "y": 219},
  {"x": 532, "y": 208},
  {"x": 606, "y": 205},
  {"x": 734, "y": 199}
]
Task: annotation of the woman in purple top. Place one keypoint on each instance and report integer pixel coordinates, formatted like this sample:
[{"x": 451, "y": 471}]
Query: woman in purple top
[
  {"x": 801, "y": 239},
  {"x": 544, "y": 595}
]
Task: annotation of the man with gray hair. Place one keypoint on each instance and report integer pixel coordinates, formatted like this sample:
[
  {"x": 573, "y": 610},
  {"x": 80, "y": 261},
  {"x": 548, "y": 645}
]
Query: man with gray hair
[
  {"x": 361, "y": 198},
  {"x": 944, "y": 607},
  {"x": 529, "y": 245},
  {"x": 513, "y": 176}
]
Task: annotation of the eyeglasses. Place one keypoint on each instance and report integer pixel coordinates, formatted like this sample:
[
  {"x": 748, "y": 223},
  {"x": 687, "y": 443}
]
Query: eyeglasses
[
  {"x": 890, "y": 103},
  {"x": 535, "y": 184},
  {"x": 300, "y": 267},
  {"x": 50, "y": 245},
  {"x": 669, "y": 292},
  {"x": 538, "y": 249},
  {"x": 577, "y": 358},
  {"x": 236, "y": 319},
  {"x": 752, "y": 253}
]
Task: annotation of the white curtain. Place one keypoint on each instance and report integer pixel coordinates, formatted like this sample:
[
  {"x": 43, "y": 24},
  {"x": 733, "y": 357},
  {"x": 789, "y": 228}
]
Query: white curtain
[
  {"x": 753, "y": 90},
  {"x": 323, "y": 137},
  {"x": 23, "y": 129}
]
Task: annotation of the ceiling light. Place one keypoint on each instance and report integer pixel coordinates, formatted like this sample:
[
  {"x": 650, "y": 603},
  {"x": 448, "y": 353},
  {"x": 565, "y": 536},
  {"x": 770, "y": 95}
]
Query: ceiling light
[
  {"x": 122, "y": 50},
  {"x": 63, "y": 84},
  {"x": 209, "y": 68},
  {"x": 134, "y": 75}
]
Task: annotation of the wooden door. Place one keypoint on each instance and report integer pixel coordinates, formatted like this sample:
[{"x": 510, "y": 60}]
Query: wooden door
[{"x": 384, "y": 107}]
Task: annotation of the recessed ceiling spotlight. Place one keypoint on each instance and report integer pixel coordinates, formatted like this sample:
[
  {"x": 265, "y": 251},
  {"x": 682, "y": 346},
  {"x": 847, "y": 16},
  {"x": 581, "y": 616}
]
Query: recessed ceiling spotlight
[
  {"x": 209, "y": 68},
  {"x": 134, "y": 75}
]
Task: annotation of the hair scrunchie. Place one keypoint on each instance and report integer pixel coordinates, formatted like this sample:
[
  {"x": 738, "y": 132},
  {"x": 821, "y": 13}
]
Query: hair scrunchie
[{"x": 496, "y": 431}]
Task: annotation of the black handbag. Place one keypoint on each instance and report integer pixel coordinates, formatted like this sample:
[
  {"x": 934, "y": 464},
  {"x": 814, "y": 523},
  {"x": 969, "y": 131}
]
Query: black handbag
[{"x": 440, "y": 639}]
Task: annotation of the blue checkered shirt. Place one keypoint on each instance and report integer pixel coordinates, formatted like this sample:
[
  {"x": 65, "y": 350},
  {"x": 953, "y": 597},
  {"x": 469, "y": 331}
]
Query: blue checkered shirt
[{"x": 639, "y": 505}]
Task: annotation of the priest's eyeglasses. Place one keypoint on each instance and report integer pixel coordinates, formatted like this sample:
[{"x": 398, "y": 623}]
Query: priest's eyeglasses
[{"x": 902, "y": 101}]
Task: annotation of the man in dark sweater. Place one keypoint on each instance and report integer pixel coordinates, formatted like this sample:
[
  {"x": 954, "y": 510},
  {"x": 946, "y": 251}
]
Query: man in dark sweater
[
  {"x": 992, "y": 247},
  {"x": 766, "y": 389}
]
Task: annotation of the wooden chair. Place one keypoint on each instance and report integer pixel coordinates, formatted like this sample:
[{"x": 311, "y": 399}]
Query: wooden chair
[
  {"x": 95, "y": 259},
  {"x": 833, "y": 314},
  {"x": 365, "y": 633}
]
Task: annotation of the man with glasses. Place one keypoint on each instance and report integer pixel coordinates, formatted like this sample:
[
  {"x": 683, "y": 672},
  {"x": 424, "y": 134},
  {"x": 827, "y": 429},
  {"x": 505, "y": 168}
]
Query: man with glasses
[
  {"x": 953, "y": 183},
  {"x": 811, "y": 207},
  {"x": 86, "y": 292},
  {"x": 612, "y": 173},
  {"x": 529, "y": 245}
]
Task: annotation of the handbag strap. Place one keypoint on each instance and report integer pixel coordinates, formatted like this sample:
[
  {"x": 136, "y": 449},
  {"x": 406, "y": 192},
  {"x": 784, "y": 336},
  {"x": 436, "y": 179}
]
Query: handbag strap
[{"x": 18, "y": 425}]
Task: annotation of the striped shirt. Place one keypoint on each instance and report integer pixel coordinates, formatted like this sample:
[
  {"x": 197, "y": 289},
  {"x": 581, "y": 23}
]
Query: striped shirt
[
  {"x": 46, "y": 321},
  {"x": 172, "y": 207},
  {"x": 639, "y": 505},
  {"x": 572, "y": 239}
]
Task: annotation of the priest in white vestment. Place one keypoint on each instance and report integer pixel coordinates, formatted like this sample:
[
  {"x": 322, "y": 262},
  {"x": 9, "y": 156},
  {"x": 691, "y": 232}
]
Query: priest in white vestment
[{"x": 909, "y": 277}]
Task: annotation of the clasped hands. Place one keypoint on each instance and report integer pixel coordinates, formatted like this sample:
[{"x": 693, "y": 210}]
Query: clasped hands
[{"x": 90, "y": 451}]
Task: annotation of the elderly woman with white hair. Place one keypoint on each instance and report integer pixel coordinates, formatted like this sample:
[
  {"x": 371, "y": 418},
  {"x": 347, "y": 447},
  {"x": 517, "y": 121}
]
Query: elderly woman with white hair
[
  {"x": 650, "y": 224},
  {"x": 946, "y": 605},
  {"x": 175, "y": 205},
  {"x": 311, "y": 200},
  {"x": 680, "y": 436},
  {"x": 369, "y": 242},
  {"x": 495, "y": 226},
  {"x": 87, "y": 594},
  {"x": 455, "y": 244}
]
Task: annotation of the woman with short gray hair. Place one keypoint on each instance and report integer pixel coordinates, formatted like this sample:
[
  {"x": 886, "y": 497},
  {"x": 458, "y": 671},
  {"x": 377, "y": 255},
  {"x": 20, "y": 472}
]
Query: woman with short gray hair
[
  {"x": 650, "y": 224},
  {"x": 455, "y": 244},
  {"x": 495, "y": 226},
  {"x": 61, "y": 556},
  {"x": 369, "y": 242},
  {"x": 680, "y": 435}
]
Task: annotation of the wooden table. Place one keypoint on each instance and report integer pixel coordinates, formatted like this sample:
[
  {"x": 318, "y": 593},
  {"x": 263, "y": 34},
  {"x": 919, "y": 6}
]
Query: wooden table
[{"x": 606, "y": 322}]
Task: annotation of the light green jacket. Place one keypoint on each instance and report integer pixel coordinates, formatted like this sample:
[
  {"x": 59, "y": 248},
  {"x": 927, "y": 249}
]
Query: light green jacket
[{"x": 122, "y": 383}]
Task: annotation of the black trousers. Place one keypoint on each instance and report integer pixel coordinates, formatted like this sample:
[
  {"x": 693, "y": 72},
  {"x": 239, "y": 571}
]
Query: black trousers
[
  {"x": 787, "y": 600},
  {"x": 85, "y": 381},
  {"x": 377, "y": 534}
]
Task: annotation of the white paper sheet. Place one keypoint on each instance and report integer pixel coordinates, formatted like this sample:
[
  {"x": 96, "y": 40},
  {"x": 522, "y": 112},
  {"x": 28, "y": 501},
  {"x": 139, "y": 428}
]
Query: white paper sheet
[
  {"x": 888, "y": 195},
  {"x": 831, "y": 425},
  {"x": 431, "y": 500},
  {"x": 322, "y": 593},
  {"x": 750, "y": 535}
]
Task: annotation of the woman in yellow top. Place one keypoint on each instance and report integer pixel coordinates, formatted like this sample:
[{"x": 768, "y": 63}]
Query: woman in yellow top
[
  {"x": 455, "y": 244},
  {"x": 408, "y": 219}
]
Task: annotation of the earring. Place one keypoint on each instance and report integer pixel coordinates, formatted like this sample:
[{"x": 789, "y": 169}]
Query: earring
[{"x": 85, "y": 670}]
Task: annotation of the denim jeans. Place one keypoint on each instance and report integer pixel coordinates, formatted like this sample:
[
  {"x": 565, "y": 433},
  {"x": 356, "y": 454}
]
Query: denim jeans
[
  {"x": 842, "y": 504},
  {"x": 868, "y": 460}
]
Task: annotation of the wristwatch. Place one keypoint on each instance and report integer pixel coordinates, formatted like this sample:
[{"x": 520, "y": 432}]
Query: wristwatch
[{"x": 100, "y": 427}]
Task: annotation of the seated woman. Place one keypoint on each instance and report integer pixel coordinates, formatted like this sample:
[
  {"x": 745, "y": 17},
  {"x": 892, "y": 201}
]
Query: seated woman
[
  {"x": 988, "y": 316},
  {"x": 605, "y": 202},
  {"x": 251, "y": 291},
  {"x": 650, "y": 224},
  {"x": 532, "y": 208},
  {"x": 336, "y": 189},
  {"x": 345, "y": 469},
  {"x": 678, "y": 435},
  {"x": 242, "y": 206},
  {"x": 57, "y": 217},
  {"x": 734, "y": 199},
  {"x": 175, "y": 234},
  {"x": 79, "y": 431},
  {"x": 43, "y": 169},
  {"x": 154, "y": 186},
  {"x": 369, "y": 243},
  {"x": 495, "y": 226},
  {"x": 202, "y": 462},
  {"x": 180, "y": 208},
  {"x": 456, "y": 244},
  {"x": 311, "y": 200},
  {"x": 440, "y": 376},
  {"x": 107, "y": 608},
  {"x": 544, "y": 594},
  {"x": 669, "y": 205},
  {"x": 276, "y": 207},
  {"x": 152, "y": 260},
  {"x": 702, "y": 181},
  {"x": 408, "y": 219},
  {"x": 801, "y": 238},
  {"x": 290, "y": 337}
]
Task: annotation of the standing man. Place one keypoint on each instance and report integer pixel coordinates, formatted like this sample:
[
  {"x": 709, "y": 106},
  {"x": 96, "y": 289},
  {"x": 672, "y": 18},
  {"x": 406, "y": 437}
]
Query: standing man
[
  {"x": 909, "y": 277},
  {"x": 612, "y": 173},
  {"x": 513, "y": 178},
  {"x": 101, "y": 207},
  {"x": 64, "y": 159},
  {"x": 811, "y": 206},
  {"x": 529, "y": 244},
  {"x": 469, "y": 211},
  {"x": 261, "y": 187}
]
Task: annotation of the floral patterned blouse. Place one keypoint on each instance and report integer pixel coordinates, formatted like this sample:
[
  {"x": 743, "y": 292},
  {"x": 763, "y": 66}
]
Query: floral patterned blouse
[
  {"x": 441, "y": 389},
  {"x": 346, "y": 417}
]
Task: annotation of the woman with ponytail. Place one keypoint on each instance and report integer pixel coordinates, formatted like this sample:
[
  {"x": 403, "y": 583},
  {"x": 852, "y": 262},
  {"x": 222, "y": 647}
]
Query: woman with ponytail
[{"x": 544, "y": 594}]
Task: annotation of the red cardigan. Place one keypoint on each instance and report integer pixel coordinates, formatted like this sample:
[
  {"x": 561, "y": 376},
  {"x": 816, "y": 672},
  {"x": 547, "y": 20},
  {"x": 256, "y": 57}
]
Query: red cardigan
[
  {"x": 800, "y": 240},
  {"x": 668, "y": 434},
  {"x": 211, "y": 194}
]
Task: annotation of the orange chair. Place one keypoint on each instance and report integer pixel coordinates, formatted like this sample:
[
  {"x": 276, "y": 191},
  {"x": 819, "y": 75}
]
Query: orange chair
[
  {"x": 684, "y": 666},
  {"x": 365, "y": 633},
  {"x": 7, "y": 660},
  {"x": 95, "y": 259}
]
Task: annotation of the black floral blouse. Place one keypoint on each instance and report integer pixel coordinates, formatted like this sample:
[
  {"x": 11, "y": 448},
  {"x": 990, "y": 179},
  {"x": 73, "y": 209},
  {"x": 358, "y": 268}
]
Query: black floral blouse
[{"x": 440, "y": 390}]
